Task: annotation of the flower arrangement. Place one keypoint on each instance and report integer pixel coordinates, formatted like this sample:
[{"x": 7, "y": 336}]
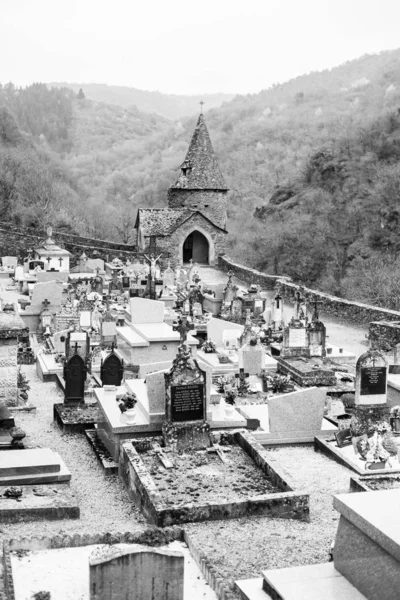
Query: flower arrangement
[
  {"x": 230, "y": 394},
  {"x": 395, "y": 412},
  {"x": 277, "y": 383},
  {"x": 209, "y": 347},
  {"x": 377, "y": 452},
  {"x": 127, "y": 401}
]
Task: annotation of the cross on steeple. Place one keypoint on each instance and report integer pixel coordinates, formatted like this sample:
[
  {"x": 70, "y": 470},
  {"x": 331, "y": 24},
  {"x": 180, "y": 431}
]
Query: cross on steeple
[
  {"x": 183, "y": 327},
  {"x": 201, "y": 106}
]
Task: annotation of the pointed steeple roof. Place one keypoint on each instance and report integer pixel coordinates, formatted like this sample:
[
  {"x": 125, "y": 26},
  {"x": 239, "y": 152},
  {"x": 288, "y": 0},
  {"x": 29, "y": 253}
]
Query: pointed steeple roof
[{"x": 200, "y": 170}]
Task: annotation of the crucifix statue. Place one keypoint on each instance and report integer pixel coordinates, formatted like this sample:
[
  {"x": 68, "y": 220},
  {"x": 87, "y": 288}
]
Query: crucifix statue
[{"x": 153, "y": 262}]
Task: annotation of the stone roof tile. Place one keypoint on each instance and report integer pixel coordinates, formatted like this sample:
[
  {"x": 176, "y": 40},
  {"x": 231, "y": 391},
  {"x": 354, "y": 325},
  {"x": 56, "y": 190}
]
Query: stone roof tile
[{"x": 200, "y": 170}]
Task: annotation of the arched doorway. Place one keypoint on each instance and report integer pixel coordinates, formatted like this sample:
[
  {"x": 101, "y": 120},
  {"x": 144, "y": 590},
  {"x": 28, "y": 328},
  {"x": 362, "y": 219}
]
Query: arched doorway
[{"x": 196, "y": 247}]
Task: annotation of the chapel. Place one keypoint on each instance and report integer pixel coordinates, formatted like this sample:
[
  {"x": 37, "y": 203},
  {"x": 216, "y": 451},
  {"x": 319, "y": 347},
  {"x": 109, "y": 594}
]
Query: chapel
[{"x": 193, "y": 226}]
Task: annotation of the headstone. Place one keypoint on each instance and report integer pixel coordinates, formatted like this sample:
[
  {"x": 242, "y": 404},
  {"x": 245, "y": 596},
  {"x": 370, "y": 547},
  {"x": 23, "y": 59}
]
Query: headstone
[
  {"x": 230, "y": 339},
  {"x": 112, "y": 370},
  {"x": 77, "y": 341},
  {"x": 295, "y": 340},
  {"x": 48, "y": 290},
  {"x": 10, "y": 261},
  {"x": 277, "y": 311},
  {"x": 237, "y": 308},
  {"x": 108, "y": 330},
  {"x": 252, "y": 358},
  {"x": 317, "y": 338},
  {"x": 371, "y": 378},
  {"x": 75, "y": 376},
  {"x": 144, "y": 310},
  {"x": 197, "y": 309},
  {"x": 216, "y": 327},
  {"x": 141, "y": 572},
  {"x": 59, "y": 338},
  {"x": 185, "y": 426},
  {"x": 297, "y": 411},
  {"x": 169, "y": 276}
]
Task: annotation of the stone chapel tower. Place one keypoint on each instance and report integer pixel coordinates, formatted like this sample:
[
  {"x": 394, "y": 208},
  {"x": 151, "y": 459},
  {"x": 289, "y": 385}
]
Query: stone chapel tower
[{"x": 201, "y": 185}]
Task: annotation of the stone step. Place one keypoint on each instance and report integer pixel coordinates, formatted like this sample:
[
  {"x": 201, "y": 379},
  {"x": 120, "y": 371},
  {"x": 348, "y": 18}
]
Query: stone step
[
  {"x": 315, "y": 582},
  {"x": 368, "y": 542},
  {"x": 28, "y": 462},
  {"x": 59, "y": 472}
]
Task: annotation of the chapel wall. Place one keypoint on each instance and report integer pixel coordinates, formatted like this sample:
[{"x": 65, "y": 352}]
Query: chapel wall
[{"x": 212, "y": 203}]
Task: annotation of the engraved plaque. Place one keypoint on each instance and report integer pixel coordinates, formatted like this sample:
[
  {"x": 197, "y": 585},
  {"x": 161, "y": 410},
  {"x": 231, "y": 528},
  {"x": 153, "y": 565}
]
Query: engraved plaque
[
  {"x": 373, "y": 381},
  {"x": 187, "y": 402},
  {"x": 297, "y": 337}
]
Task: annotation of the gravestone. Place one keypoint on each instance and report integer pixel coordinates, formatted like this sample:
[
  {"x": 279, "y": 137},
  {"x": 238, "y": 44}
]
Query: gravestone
[
  {"x": 216, "y": 327},
  {"x": 112, "y": 370},
  {"x": 186, "y": 427},
  {"x": 230, "y": 338},
  {"x": 297, "y": 411},
  {"x": 136, "y": 572},
  {"x": 252, "y": 358},
  {"x": 75, "y": 372},
  {"x": 169, "y": 276},
  {"x": 48, "y": 290},
  {"x": 77, "y": 342},
  {"x": 144, "y": 311},
  {"x": 371, "y": 408},
  {"x": 108, "y": 330},
  {"x": 85, "y": 308},
  {"x": 237, "y": 308},
  {"x": 277, "y": 311},
  {"x": 248, "y": 333},
  {"x": 317, "y": 338},
  {"x": 295, "y": 340}
]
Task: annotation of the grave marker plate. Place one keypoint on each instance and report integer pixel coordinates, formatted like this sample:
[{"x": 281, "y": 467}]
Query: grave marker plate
[
  {"x": 343, "y": 438},
  {"x": 187, "y": 402},
  {"x": 297, "y": 337},
  {"x": 373, "y": 381}
]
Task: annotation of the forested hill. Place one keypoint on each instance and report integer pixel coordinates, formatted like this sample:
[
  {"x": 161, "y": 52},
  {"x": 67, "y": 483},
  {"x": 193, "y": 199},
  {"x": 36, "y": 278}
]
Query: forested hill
[
  {"x": 313, "y": 166},
  {"x": 170, "y": 106}
]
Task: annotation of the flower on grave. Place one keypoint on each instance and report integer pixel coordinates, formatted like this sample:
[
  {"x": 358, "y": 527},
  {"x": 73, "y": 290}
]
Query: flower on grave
[
  {"x": 223, "y": 381},
  {"x": 395, "y": 412},
  {"x": 127, "y": 401},
  {"x": 209, "y": 347},
  {"x": 377, "y": 452},
  {"x": 230, "y": 395}
]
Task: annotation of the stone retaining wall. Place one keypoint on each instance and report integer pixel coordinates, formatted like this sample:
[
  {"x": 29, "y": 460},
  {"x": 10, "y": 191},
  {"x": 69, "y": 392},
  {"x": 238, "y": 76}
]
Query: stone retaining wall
[
  {"x": 15, "y": 241},
  {"x": 332, "y": 305},
  {"x": 386, "y": 334}
]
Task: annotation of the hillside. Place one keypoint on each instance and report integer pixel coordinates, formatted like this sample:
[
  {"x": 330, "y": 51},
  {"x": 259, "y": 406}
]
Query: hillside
[{"x": 170, "y": 106}]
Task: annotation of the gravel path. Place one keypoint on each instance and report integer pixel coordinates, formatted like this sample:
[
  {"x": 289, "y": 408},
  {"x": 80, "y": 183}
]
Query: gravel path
[
  {"x": 104, "y": 504},
  {"x": 243, "y": 548}
]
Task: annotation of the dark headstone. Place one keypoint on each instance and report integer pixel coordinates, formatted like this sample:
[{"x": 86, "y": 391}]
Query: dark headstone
[
  {"x": 75, "y": 376},
  {"x": 112, "y": 370}
]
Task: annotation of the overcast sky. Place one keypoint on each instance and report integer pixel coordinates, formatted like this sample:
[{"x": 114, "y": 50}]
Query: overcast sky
[{"x": 188, "y": 46}]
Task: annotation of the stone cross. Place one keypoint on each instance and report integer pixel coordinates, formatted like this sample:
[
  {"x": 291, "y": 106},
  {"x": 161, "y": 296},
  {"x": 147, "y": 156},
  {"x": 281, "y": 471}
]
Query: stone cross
[
  {"x": 60, "y": 260},
  {"x": 183, "y": 327},
  {"x": 76, "y": 348},
  {"x": 241, "y": 375},
  {"x": 315, "y": 302}
]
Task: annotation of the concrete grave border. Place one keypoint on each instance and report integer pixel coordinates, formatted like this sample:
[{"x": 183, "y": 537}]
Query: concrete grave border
[
  {"x": 360, "y": 484},
  {"x": 333, "y": 452},
  {"x": 143, "y": 491}
]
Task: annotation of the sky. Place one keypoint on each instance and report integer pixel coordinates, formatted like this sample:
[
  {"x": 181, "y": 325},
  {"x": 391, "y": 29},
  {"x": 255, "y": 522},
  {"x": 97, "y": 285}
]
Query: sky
[{"x": 187, "y": 46}]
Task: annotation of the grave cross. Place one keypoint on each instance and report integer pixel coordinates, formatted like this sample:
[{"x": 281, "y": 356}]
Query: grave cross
[
  {"x": 315, "y": 302},
  {"x": 183, "y": 327},
  {"x": 76, "y": 348},
  {"x": 241, "y": 375},
  {"x": 219, "y": 451}
]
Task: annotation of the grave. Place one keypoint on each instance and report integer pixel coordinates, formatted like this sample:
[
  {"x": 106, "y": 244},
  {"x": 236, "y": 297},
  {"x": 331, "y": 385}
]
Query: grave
[
  {"x": 373, "y": 449},
  {"x": 139, "y": 571},
  {"x": 240, "y": 462},
  {"x": 39, "y": 503},
  {"x": 112, "y": 369},
  {"x": 367, "y": 545},
  {"x": 293, "y": 418},
  {"x": 32, "y": 466},
  {"x": 75, "y": 372},
  {"x": 52, "y": 292}
]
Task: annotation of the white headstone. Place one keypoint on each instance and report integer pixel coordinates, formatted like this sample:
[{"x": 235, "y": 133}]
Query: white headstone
[
  {"x": 144, "y": 310},
  {"x": 216, "y": 327},
  {"x": 298, "y": 337}
]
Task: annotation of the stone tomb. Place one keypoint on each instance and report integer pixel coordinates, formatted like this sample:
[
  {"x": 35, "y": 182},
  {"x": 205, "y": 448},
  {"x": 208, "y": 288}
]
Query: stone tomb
[
  {"x": 366, "y": 557},
  {"x": 374, "y": 450},
  {"x": 138, "y": 572},
  {"x": 32, "y": 466},
  {"x": 50, "y": 291}
]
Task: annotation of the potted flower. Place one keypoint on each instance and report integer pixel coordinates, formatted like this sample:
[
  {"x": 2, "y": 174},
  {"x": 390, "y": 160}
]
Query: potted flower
[
  {"x": 209, "y": 347},
  {"x": 395, "y": 418},
  {"x": 127, "y": 405},
  {"x": 230, "y": 395},
  {"x": 377, "y": 455}
]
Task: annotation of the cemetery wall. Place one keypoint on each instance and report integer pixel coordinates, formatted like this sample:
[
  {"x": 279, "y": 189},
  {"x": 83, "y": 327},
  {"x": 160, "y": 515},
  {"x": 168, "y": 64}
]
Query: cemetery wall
[
  {"x": 385, "y": 334},
  {"x": 15, "y": 241},
  {"x": 332, "y": 305}
]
